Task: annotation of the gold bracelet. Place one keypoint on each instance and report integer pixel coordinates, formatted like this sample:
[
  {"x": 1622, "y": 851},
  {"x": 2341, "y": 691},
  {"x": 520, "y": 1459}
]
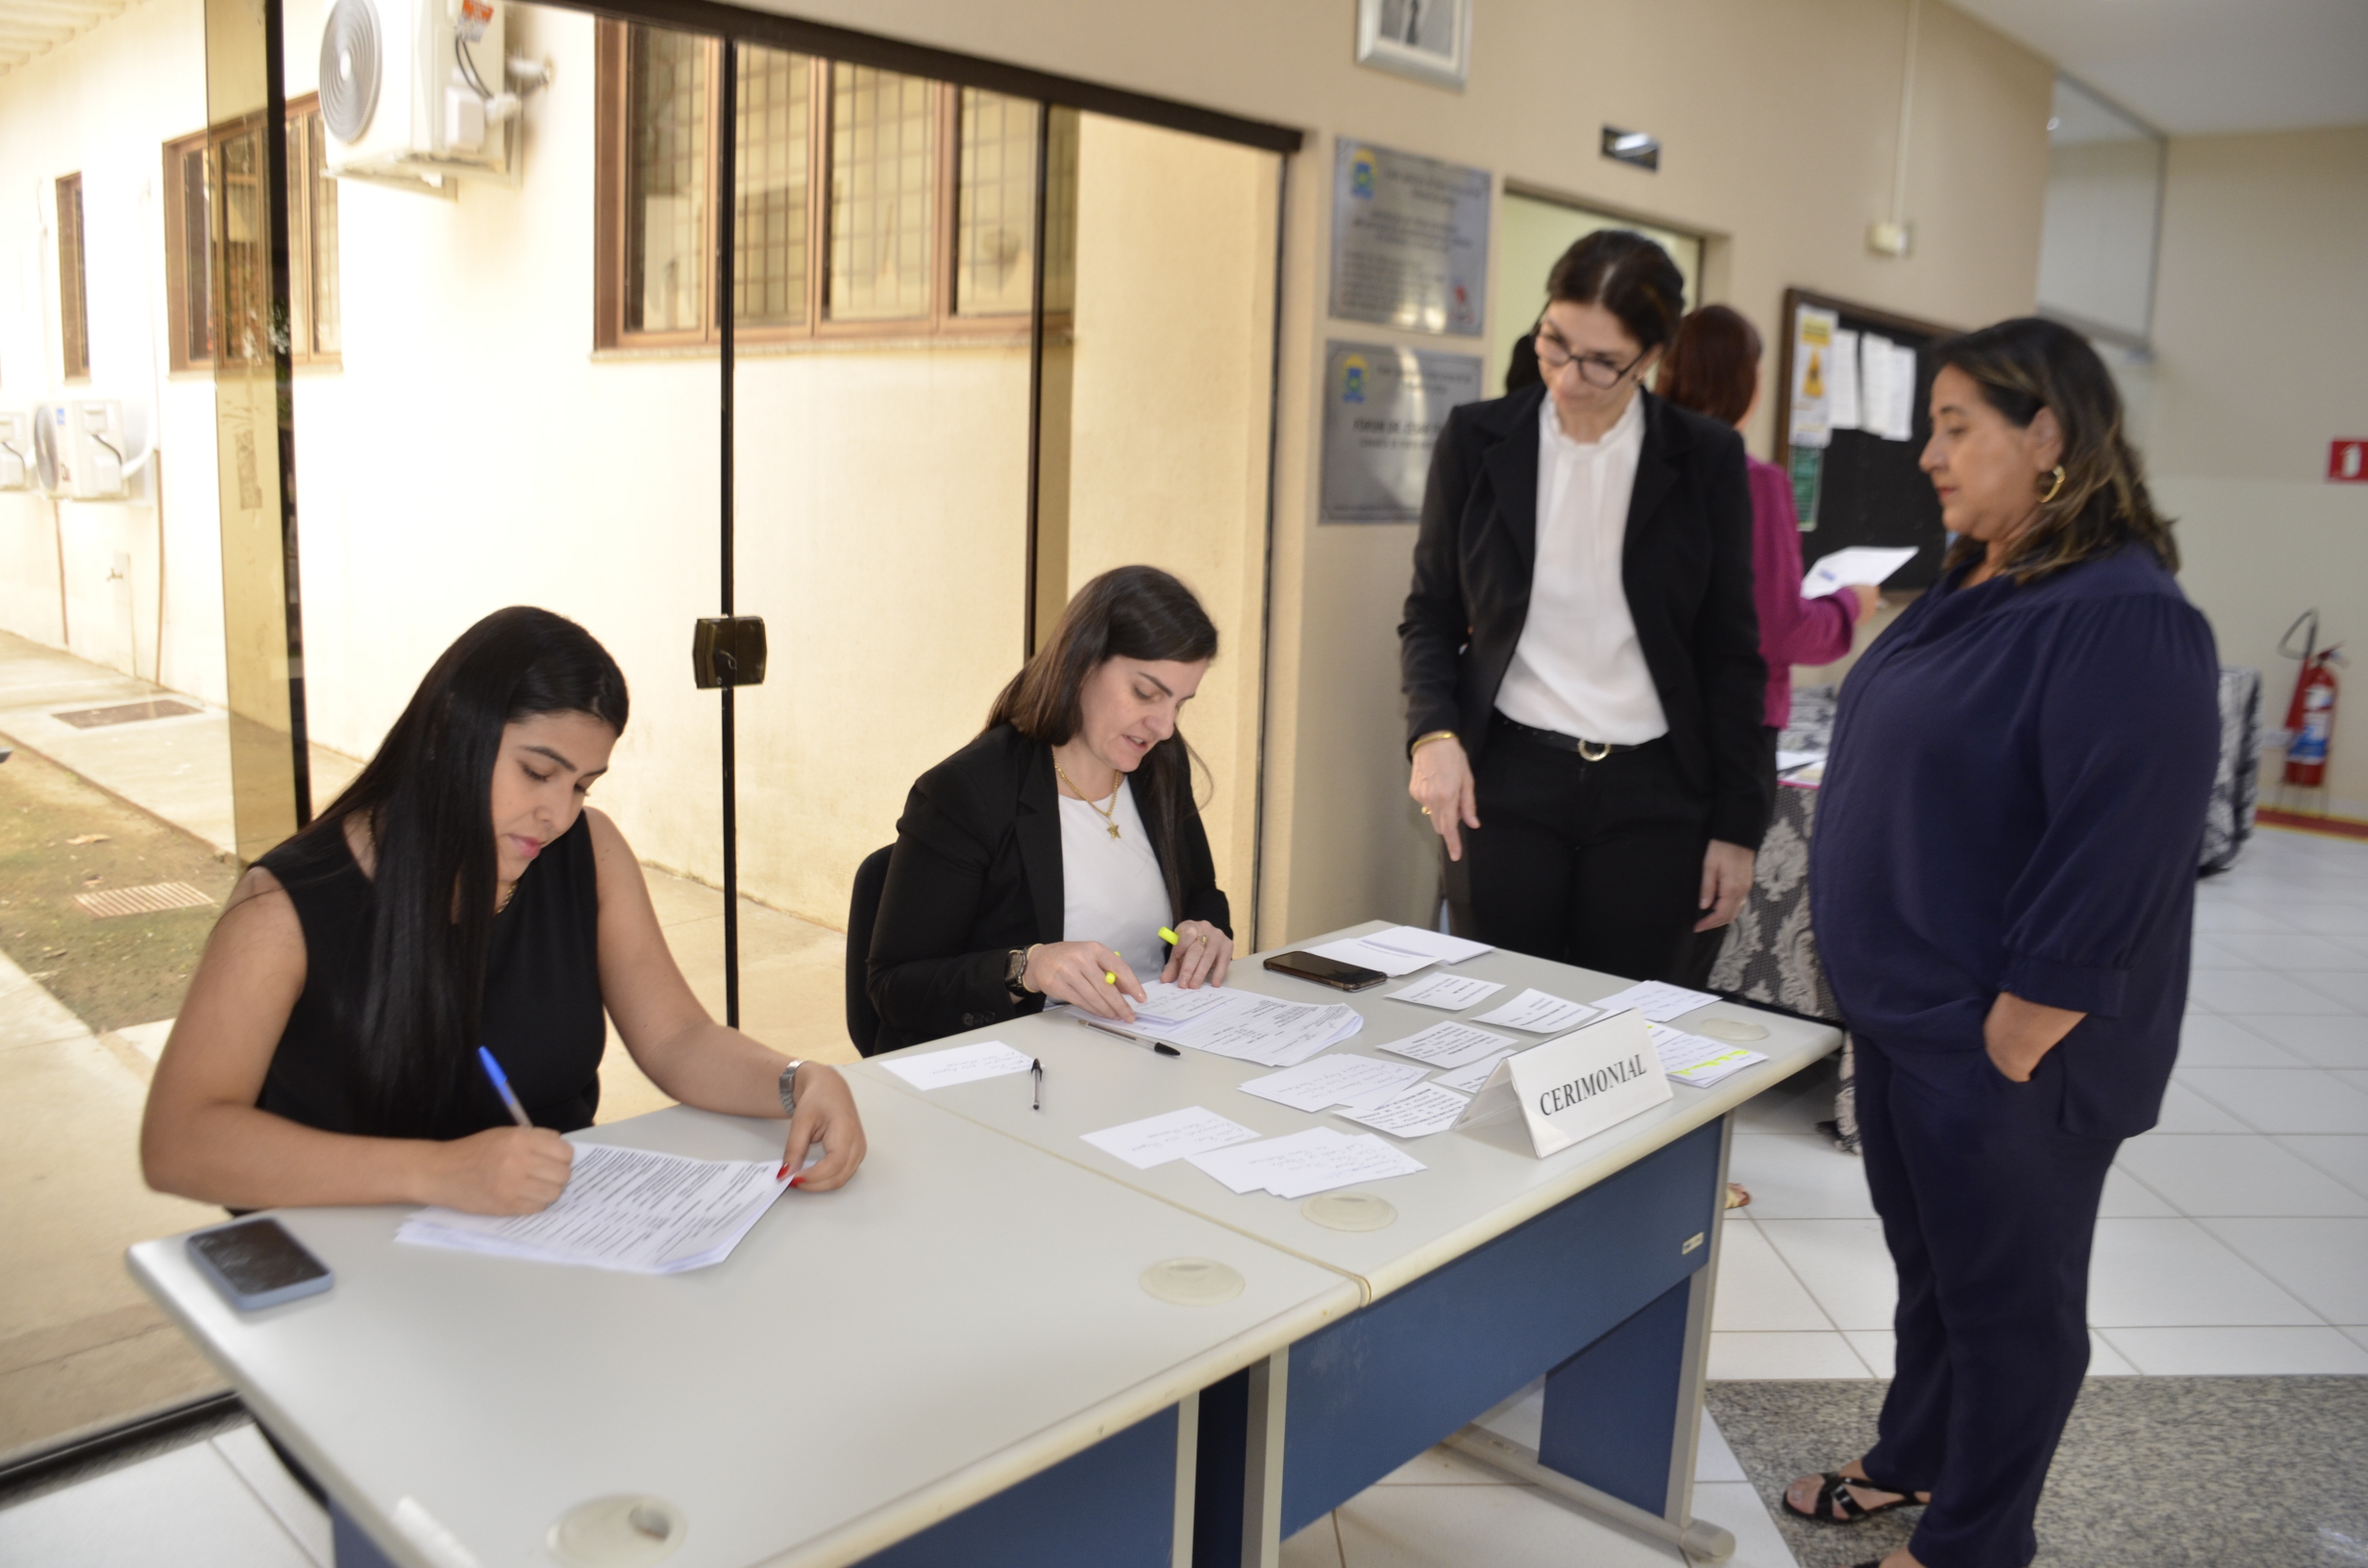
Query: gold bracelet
[{"x": 1421, "y": 741}]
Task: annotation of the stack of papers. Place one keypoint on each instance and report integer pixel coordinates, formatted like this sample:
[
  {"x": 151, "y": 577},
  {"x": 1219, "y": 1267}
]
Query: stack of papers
[
  {"x": 1335, "y": 1080},
  {"x": 1690, "y": 1059},
  {"x": 1175, "y": 1134},
  {"x": 959, "y": 1064},
  {"x": 623, "y": 1209},
  {"x": 1416, "y": 1114},
  {"x": 1656, "y": 999},
  {"x": 1401, "y": 949},
  {"x": 1242, "y": 1024},
  {"x": 1306, "y": 1164},
  {"x": 1452, "y": 993},
  {"x": 1542, "y": 1014},
  {"x": 1450, "y": 1044}
]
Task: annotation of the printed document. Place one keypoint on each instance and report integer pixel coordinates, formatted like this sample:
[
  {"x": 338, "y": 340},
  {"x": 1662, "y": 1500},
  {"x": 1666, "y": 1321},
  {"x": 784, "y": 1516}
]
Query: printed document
[
  {"x": 1401, "y": 949},
  {"x": 1252, "y": 1027},
  {"x": 1870, "y": 564},
  {"x": 1690, "y": 1059},
  {"x": 1452, "y": 993},
  {"x": 1467, "y": 1079},
  {"x": 1416, "y": 1114},
  {"x": 1335, "y": 1080},
  {"x": 1306, "y": 1164},
  {"x": 1176, "y": 1135},
  {"x": 1656, "y": 999},
  {"x": 1450, "y": 1044},
  {"x": 960, "y": 1065},
  {"x": 1169, "y": 1004},
  {"x": 1541, "y": 1014},
  {"x": 631, "y": 1210}
]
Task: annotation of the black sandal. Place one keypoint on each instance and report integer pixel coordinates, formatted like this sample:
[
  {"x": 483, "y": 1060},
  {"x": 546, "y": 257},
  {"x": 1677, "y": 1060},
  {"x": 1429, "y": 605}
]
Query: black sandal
[{"x": 1836, "y": 1491}]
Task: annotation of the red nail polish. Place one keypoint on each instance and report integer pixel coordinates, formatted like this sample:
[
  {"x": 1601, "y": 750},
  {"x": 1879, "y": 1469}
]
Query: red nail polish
[
  {"x": 784, "y": 1171},
  {"x": 798, "y": 1180}
]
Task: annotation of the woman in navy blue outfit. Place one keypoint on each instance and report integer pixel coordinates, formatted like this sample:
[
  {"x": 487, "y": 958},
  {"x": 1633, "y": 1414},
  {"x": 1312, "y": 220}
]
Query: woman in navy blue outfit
[{"x": 2003, "y": 869}]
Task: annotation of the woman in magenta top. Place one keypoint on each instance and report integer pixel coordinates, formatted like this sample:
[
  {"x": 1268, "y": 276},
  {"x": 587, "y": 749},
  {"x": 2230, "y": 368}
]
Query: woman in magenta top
[{"x": 1713, "y": 368}]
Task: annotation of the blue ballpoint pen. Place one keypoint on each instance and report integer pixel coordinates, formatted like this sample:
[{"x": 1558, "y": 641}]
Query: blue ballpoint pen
[{"x": 501, "y": 1084}]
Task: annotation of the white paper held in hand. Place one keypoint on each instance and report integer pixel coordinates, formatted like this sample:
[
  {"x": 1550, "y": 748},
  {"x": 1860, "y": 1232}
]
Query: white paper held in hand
[
  {"x": 1176, "y": 1135},
  {"x": 631, "y": 1210},
  {"x": 1450, "y": 1044},
  {"x": 958, "y": 1065},
  {"x": 1451, "y": 993},
  {"x": 1869, "y": 564},
  {"x": 1540, "y": 1014}
]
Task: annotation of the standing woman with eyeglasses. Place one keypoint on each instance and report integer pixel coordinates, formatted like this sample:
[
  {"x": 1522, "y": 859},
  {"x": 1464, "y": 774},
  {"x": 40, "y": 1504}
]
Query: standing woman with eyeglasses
[{"x": 1584, "y": 687}]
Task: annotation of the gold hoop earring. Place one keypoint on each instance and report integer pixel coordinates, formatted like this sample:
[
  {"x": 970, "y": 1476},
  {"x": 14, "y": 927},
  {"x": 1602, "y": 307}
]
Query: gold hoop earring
[{"x": 2053, "y": 489}]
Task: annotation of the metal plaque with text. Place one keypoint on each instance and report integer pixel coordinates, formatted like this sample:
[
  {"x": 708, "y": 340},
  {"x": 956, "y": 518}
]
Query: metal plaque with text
[
  {"x": 1383, "y": 409},
  {"x": 1410, "y": 241}
]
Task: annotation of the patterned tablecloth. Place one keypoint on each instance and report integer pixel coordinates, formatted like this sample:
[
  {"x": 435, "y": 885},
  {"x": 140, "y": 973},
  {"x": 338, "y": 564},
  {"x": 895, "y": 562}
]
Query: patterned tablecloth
[{"x": 1771, "y": 954}]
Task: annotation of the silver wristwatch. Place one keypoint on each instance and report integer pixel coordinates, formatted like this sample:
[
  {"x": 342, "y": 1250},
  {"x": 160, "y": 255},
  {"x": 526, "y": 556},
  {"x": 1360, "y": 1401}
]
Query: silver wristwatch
[{"x": 789, "y": 1089}]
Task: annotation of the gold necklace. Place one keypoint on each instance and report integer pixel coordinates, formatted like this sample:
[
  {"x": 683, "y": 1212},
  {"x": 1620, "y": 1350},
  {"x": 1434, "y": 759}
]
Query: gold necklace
[{"x": 1109, "y": 813}]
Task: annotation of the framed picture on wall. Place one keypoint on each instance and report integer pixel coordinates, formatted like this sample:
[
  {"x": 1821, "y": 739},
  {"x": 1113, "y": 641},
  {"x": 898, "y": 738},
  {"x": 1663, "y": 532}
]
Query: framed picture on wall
[{"x": 1427, "y": 39}]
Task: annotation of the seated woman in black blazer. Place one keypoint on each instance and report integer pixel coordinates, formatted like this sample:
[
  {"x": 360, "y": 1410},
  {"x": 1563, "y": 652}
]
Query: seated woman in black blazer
[{"x": 1043, "y": 859}]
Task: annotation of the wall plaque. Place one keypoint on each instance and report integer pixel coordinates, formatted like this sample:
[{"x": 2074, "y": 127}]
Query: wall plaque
[
  {"x": 1383, "y": 409},
  {"x": 1410, "y": 241}
]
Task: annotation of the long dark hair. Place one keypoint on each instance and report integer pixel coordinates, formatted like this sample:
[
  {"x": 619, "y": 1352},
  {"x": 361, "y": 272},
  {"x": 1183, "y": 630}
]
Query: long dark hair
[
  {"x": 2028, "y": 364},
  {"x": 426, "y": 802},
  {"x": 1129, "y": 612}
]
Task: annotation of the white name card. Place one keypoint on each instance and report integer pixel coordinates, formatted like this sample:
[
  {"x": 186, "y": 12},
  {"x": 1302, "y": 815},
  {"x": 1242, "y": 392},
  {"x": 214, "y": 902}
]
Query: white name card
[{"x": 1575, "y": 1087}]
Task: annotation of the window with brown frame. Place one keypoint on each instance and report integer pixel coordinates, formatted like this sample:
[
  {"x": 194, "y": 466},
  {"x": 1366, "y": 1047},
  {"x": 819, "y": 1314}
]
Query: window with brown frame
[
  {"x": 73, "y": 281},
  {"x": 216, "y": 239},
  {"x": 868, "y": 204}
]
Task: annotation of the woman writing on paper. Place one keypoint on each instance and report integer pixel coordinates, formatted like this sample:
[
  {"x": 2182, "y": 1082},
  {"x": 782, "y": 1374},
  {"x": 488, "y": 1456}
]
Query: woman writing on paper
[
  {"x": 1584, "y": 688},
  {"x": 2005, "y": 873},
  {"x": 1043, "y": 860},
  {"x": 458, "y": 893}
]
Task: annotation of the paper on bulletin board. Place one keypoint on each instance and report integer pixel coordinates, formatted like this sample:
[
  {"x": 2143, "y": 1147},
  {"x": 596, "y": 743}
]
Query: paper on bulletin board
[
  {"x": 1841, "y": 384},
  {"x": 1813, "y": 369}
]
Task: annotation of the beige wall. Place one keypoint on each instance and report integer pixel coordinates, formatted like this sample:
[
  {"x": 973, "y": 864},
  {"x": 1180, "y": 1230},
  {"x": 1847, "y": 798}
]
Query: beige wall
[
  {"x": 2260, "y": 336},
  {"x": 1778, "y": 124}
]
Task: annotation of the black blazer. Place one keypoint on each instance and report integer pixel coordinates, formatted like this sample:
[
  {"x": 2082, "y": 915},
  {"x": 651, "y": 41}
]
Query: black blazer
[
  {"x": 976, "y": 872},
  {"x": 1685, "y": 565}
]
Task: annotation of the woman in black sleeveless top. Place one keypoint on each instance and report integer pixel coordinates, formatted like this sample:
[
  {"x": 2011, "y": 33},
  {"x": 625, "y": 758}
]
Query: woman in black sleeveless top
[{"x": 327, "y": 1051}]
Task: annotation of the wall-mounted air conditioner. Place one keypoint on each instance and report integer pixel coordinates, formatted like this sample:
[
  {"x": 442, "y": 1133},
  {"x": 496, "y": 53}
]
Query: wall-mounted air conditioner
[
  {"x": 415, "y": 91},
  {"x": 80, "y": 448},
  {"x": 16, "y": 462}
]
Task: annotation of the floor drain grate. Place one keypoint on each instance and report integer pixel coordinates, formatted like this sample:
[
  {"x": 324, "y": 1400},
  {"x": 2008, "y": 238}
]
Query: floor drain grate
[
  {"x": 154, "y": 898},
  {"x": 125, "y": 713}
]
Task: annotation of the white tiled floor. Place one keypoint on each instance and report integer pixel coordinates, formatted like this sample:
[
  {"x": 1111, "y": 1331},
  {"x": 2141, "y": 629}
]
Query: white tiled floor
[{"x": 2234, "y": 1237}]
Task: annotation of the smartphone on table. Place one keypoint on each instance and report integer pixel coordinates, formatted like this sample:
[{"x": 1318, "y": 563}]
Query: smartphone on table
[
  {"x": 256, "y": 1264},
  {"x": 1325, "y": 972}
]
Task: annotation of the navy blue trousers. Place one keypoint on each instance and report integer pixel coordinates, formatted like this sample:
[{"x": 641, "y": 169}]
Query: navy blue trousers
[{"x": 1990, "y": 1207}]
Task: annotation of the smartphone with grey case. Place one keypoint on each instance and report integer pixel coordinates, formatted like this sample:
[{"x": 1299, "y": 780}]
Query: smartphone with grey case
[{"x": 256, "y": 1264}]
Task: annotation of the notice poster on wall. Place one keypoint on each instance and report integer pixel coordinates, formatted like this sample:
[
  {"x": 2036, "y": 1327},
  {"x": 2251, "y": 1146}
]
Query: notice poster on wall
[
  {"x": 1383, "y": 409},
  {"x": 1813, "y": 374},
  {"x": 1410, "y": 241}
]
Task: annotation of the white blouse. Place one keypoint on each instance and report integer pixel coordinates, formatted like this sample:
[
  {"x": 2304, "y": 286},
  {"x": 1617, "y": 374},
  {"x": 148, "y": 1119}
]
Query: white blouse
[
  {"x": 1578, "y": 669},
  {"x": 1111, "y": 889}
]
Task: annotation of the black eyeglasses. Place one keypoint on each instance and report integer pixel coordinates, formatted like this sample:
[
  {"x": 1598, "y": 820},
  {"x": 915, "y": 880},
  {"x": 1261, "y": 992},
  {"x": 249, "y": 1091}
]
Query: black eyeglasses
[{"x": 1596, "y": 369}]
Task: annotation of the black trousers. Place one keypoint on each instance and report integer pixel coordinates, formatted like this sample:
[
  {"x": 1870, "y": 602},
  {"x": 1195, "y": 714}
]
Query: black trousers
[
  {"x": 1597, "y": 863},
  {"x": 1990, "y": 1207}
]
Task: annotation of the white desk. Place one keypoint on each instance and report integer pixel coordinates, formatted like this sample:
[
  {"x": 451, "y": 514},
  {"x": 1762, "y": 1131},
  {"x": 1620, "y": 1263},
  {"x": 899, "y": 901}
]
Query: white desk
[
  {"x": 961, "y": 1327},
  {"x": 1592, "y": 1264}
]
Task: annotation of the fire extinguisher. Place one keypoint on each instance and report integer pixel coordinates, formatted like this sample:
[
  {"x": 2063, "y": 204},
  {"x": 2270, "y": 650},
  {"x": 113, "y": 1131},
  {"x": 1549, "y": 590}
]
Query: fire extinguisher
[{"x": 2311, "y": 718}]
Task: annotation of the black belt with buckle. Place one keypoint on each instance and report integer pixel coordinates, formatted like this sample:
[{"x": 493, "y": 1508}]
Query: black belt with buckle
[{"x": 1588, "y": 750}]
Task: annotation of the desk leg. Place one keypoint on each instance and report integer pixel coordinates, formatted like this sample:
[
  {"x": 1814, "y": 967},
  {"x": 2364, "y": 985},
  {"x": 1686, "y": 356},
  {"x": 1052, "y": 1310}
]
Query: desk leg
[
  {"x": 1262, "y": 1462},
  {"x": 1623, "y": 1417}
]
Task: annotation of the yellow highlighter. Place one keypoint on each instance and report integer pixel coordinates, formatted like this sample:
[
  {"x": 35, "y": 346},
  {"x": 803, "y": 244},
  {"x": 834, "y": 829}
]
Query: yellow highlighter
[{"x": 1169, "y": 938}]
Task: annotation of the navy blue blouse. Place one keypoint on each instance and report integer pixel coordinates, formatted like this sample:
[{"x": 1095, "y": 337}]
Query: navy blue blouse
[{"x": 2014, "y": 801}]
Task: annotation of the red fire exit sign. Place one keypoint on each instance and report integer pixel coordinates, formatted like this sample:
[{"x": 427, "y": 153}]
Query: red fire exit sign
[{"x": 2347, "y": 462}]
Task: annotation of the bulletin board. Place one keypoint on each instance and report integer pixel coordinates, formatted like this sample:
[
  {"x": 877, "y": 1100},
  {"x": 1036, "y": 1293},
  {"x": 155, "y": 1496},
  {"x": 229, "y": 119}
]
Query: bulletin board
[{"x": 1860, "y": 487}]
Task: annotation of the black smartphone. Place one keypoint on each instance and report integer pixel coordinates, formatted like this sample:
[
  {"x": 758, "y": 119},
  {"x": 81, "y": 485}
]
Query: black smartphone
[
  {"x": 256, "y": 1264},
  {"x": 1327, "y": 971}
]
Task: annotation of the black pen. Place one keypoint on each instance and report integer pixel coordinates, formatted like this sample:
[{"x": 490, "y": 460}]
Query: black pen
[
  {"x": 1036, "y": 1070},
  {"x": 1161, "y": 1046}
]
